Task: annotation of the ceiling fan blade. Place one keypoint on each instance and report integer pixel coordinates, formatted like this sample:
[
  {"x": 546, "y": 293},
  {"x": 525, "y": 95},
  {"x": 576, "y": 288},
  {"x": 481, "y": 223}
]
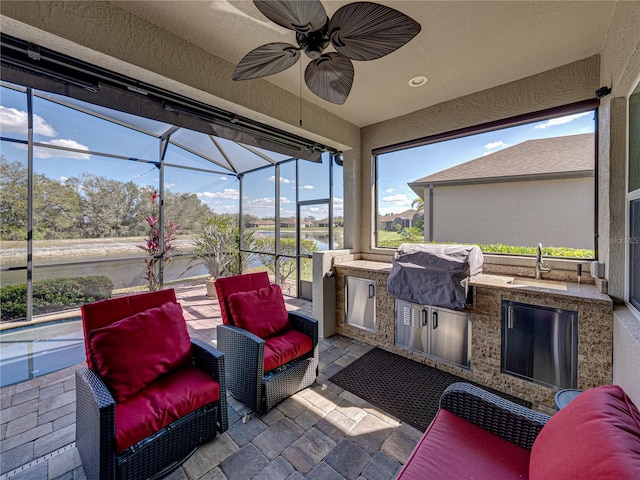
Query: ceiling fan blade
[
  {"x": 330, "y": 77},
  {"x": 303, "y": 16},
  {"x": 366, "y": 30},
  {"x": 266, "y": 60}
]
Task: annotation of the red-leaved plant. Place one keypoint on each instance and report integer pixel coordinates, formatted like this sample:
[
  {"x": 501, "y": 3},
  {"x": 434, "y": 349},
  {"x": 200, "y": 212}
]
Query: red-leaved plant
[{"x": 155, "y": 267}]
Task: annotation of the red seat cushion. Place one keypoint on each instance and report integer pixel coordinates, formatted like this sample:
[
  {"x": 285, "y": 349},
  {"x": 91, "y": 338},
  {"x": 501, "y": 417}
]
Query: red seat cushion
[
  {"x": 131, "y": 353},
  {"x": 453, "y": 448},
  {"x": 596, "y": 436},
  {"x": 225, "y": 286},
  {"x": 169, "y": 398},
  {"x": 261, "y": 312},
  {"x": 285, "y": 347},
  {"x": 103, "y": 312}
]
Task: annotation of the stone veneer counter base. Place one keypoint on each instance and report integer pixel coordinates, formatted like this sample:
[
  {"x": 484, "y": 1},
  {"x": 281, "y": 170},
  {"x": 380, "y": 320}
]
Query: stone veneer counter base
[{"x": 595, "y": 328}]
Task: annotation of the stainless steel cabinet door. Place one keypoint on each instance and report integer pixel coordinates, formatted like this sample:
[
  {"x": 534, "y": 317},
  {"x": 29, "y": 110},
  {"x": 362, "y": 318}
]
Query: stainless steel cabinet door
[
  {"x": 360, "y": 295},
  {"x": 450, "y": 334},
  {"x": 411, "y": 326}
]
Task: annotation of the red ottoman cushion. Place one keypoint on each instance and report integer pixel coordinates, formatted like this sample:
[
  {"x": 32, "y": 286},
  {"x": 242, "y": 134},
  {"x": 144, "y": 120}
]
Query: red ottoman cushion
[
  {"x": 596, "y": 436},
  {"x": 283, "y": 348},
  {"x": 165, "y": 401},
  {"x": 453, "y": 449}
]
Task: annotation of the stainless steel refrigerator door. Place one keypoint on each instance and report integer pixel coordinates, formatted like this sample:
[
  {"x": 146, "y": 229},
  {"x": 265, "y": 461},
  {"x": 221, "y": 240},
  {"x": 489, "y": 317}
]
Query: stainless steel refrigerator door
[
  {"x": 360, "y": 295},
  {"x": 410, "y": 326},
  {"x": 540, "y": 344},
  {"x": 450, "y": 332}
]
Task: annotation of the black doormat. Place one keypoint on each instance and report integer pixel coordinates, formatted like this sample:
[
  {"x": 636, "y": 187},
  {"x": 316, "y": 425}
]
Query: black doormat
[{"x": 404, "y": 388}]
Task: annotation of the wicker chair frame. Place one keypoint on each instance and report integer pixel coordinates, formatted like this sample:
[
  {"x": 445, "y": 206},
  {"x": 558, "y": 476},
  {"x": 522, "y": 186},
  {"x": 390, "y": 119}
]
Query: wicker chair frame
[
  {"x": 244, "y": 356},
  {"x": 96, "y": 428},
  {"x": 508, "y": 420}
]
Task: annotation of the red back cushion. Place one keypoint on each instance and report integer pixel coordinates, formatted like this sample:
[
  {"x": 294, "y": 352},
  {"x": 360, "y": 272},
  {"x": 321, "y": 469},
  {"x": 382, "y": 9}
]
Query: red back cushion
[
  {"x": 104, "y": 312},
  {"x": 133, "y": 352},
  {"x": 261, "y": 312},
  {"x": 226, "y": 286},
  {"x": 596, "y": 436}
]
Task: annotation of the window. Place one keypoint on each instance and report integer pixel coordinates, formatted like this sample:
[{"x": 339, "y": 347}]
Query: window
[
  {"x": 503, "y": 187},
  {"x": 634, "y": 198}
]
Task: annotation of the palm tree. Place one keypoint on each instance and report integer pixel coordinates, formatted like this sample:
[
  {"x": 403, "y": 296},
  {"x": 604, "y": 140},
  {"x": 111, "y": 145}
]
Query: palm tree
[{"x": 418, "y": 205}]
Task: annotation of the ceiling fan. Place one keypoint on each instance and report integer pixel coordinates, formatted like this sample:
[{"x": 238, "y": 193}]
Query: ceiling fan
[{"x": 357, "y": 31}]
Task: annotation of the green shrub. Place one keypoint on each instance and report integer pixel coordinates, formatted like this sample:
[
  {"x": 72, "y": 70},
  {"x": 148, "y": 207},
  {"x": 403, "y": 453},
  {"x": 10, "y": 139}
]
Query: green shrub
[
  {"x": 510, "y": 249},
  {"x": 53, "y": 295}
]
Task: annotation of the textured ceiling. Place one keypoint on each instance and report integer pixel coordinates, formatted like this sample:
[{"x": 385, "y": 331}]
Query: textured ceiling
[{"x": 464, "y": 47}]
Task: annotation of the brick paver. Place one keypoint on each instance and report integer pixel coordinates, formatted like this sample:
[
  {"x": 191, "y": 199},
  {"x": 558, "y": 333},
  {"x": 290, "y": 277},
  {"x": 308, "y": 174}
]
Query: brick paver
[{"x": 322, "y": 432}]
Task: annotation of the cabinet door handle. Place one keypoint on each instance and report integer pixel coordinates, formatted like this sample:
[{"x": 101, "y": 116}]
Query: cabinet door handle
[
  {"x": 424, "y": 318},
  {"x": 510, "y": 318},
  {"x": 372, "y": 290},
  {"x": 434, "y": 319}
]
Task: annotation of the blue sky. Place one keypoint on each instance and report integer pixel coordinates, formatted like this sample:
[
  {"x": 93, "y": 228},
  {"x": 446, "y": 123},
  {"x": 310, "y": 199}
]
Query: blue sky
[
  {"x": 60, "y": 126},
  {"x": 397, "y": 169}
]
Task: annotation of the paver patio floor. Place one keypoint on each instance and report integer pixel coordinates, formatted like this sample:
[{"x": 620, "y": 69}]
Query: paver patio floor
[{"x": 322, "y": 432}]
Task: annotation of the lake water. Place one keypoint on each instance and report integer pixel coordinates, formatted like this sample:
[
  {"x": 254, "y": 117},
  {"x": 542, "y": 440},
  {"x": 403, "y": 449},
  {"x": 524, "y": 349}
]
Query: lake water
[{"x": 124, "y": 270}]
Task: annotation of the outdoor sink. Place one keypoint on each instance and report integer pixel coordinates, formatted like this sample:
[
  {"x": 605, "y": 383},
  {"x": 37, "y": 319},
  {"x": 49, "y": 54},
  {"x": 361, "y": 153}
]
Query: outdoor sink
[{"x": 530, "y": 282}]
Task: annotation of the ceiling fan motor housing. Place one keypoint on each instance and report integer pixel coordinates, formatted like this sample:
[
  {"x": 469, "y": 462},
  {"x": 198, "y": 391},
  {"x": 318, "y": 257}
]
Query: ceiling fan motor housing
[{"x": 313, "y": 43}]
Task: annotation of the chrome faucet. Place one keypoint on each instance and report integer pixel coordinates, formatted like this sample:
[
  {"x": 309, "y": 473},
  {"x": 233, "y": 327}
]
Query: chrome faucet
[{"x": 541, "y": 267}]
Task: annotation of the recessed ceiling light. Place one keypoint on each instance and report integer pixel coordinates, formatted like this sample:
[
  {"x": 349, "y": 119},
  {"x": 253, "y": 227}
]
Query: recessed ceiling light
[{"x": 417, "y": 81}]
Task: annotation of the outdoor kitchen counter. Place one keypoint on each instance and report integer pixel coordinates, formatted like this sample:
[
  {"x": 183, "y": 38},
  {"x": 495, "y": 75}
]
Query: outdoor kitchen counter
[
  {"x": 595, "y": 326},
  {"x": 550, "y": 288}
]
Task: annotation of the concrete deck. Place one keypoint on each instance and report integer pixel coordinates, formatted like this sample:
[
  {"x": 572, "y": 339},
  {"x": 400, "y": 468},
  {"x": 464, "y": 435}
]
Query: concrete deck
[{"x": 322, "y": 432}]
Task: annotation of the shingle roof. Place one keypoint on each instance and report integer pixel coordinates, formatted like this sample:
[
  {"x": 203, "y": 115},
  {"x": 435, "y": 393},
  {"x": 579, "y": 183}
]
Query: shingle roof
[
  {"x": 407, "y": 215},
  {"x": 557, "y": 156}
]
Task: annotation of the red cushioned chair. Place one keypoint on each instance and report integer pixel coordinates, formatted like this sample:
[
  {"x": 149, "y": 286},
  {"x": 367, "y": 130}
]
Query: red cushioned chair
[
  {"x": 150, "y": 394},
  {"x": 270, "y": 353}
]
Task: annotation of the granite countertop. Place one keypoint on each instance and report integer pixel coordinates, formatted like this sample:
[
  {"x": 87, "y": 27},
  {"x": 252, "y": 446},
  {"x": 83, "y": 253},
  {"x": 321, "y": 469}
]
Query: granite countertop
[
  {"x": 583, "y": 291},
  {"x": 367, "y": 265}
]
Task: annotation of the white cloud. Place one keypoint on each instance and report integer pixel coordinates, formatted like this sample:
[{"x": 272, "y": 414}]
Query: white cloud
[
  {"x": 39, "y": 152},
  {"x": 224, "y": 178},
  {"x": 262, "y": 201},
  {"x": 389, "y": 190},
  {"x": 399, "y": 200},
  {"x": 562, "y": 120},
  {"x": 13, "y": 120},
  {"x": 307, "y": 187},
  {"x": 63, "y": 180},
  {"x": 226, "y": 194},
  {"x": 284, "y": 200},
  {"x": 169, "y": 185},
  {"x": 272, "y": 179},
  {"x": 493, "y": 145}
]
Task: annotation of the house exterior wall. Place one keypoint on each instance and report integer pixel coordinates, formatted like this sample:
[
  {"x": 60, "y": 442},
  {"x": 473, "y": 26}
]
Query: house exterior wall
[{"x": 556, "y": 213}]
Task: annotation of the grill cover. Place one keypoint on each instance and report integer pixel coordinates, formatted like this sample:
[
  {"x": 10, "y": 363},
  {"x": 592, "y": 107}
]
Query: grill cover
[{"x": 435, "y": 275}]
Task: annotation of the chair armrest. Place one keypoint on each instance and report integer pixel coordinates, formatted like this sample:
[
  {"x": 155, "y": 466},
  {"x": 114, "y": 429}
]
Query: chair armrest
[
  {"x": 508, "y": 420},
  {"x": 211, "y": 361},
  {"x": 208, "y": 359},
  {"x": 305, "y": 324},
  {"x": 95, "y": 425},
  {"x": 244, "y": 362}
]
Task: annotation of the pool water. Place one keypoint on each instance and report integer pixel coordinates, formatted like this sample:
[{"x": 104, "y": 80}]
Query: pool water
[{"x": 32, "y": 351}]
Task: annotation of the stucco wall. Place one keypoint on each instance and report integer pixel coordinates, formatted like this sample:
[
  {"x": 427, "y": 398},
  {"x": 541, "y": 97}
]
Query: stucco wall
[
  {"x": 620, "y": 70},
  {"x": 558, "y": 213},
  {"x": 567, "y": 84}
]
